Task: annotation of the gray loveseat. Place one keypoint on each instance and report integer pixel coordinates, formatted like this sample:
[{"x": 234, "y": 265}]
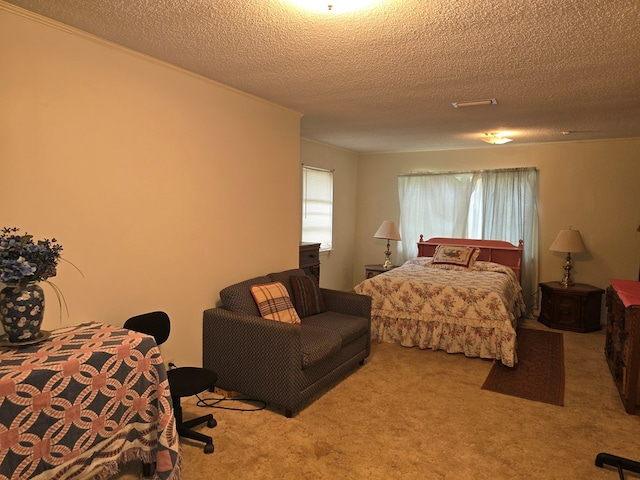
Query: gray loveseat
[{"x": 284, "y": 364}]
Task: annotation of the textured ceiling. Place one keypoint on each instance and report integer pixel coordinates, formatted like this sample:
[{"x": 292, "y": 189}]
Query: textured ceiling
[{"x": 383, "y": 78}]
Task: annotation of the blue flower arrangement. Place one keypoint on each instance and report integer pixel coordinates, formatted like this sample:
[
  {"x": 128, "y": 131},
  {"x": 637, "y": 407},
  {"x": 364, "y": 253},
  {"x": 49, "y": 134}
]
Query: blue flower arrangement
[{"x": 23, "y": 260}]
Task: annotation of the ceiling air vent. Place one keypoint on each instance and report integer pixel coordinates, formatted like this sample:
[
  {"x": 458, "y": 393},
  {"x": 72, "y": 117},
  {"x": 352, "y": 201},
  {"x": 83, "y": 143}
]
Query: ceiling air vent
[{"x": 475, "y": 103}]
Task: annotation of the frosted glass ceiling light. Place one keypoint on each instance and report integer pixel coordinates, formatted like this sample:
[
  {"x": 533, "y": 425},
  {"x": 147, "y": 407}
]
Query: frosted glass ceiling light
[
  {"x": 496, "y": 138},
  {"x": 334, "y": 6}
]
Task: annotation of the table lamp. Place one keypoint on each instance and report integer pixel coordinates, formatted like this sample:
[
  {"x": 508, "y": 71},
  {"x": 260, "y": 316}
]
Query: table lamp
[
  {"x": 389, "y": 231},
  {"x": 569, "y": 241}
]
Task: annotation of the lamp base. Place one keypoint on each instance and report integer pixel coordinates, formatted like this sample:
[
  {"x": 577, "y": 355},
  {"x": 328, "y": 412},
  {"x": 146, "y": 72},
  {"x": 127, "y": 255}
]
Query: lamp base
[
  {"x": 387, "y": 257},
  {"x": 566, "y": 280}
]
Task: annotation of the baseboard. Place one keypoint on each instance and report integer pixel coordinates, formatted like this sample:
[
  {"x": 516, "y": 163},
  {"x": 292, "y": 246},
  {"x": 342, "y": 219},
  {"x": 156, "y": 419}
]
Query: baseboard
[{"x": 226, "y": 393}]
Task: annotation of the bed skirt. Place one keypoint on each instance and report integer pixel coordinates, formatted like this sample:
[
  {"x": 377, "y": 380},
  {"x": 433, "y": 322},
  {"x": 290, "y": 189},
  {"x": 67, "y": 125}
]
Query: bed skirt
[{"x": 474, "y": 341}]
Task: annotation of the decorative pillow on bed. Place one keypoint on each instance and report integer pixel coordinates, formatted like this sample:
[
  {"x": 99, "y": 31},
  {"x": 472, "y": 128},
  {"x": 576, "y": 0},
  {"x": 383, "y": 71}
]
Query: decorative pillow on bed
[
  {"x": 455, "y": 255},
  {"x": 307, "y": 297},
  {"x": 274, "y": 303}
]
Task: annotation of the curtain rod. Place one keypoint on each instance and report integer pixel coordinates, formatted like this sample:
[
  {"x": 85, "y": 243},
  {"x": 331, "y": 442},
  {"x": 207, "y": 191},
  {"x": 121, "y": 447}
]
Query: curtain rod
[
  {"x": 417, "y": 174},
  {"x": 332, "y": 170}
]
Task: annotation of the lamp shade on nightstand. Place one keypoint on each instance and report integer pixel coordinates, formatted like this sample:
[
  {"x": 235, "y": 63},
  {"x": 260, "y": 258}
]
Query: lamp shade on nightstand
[
  {"x": 389, "y": 231},
  {"x": 568, "y": 241}
]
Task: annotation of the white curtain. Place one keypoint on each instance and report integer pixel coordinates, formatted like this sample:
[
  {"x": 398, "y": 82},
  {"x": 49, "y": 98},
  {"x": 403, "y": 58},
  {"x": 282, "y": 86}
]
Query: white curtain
[
  {"x": 489, "y": 204},
  {"x": 434, "y": 205}
]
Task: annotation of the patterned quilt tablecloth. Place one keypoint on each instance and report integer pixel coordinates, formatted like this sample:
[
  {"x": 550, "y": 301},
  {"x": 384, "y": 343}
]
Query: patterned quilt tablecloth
[{"x": 85, "y": 400}]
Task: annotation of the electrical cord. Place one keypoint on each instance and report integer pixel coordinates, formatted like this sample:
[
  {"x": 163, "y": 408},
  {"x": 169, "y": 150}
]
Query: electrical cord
[{"x": 213, "y": 403}]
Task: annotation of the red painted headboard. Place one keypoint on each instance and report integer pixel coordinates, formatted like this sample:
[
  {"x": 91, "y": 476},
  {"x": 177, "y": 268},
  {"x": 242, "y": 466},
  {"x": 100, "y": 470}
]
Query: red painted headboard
[{"x": 496, "y": 251}]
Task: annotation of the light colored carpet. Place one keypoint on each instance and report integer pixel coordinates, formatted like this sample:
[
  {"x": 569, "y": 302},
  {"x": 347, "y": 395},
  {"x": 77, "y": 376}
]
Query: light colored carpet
[{"x": 410, "y": 413}]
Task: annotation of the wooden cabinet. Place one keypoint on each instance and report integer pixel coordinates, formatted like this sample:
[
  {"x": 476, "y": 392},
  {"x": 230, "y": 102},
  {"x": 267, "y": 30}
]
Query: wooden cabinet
[
  {"x": 622, "y": 344},
  {"x": 310, "y": 259},
  {"x": 575, "y": 308},
  {"x": 377, "y": 269}
]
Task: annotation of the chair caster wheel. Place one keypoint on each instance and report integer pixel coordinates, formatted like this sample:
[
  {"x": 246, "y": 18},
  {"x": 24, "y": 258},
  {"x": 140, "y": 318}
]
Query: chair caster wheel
[
  {"x": 208, "y": 448},
  {"x": 212, "y": 423}
]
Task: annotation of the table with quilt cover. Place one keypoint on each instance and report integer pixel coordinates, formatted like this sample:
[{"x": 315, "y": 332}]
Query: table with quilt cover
[
  {"x": 84, "y": 401},
  {"x": 473, "y": 311}
]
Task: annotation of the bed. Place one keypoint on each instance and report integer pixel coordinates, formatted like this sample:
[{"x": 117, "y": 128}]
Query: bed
[{"x": 458, "y": 295}]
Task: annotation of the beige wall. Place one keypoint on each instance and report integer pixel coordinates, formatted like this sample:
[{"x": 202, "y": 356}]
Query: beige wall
[
  {"x": 336, "y": 266},
  {"x": 162, "y": 187},
  {"x": 592, "y": 186}
]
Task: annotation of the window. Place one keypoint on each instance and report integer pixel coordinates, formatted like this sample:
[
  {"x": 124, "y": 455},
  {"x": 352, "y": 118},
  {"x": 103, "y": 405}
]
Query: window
[
  {"x": 488, "y": 204},
  {"x": 317, "y": 206}
]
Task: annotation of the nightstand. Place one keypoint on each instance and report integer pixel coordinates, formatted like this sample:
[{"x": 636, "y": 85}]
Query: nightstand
[
  {"x": 377, "y": 269},
  {"x": 575, "y": 308}
]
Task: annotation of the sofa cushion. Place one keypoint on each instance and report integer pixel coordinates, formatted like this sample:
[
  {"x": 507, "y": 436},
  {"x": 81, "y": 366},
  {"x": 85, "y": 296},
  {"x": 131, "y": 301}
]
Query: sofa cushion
[
  {"x": 348, "y": 327},
  {"x": 317, "y": 343},
  {"x": 307, "y": 297},
  {"x": 283, "y": 277},
  {"x": 238, "y": 298},
  {"x": 274, "y": 303}
]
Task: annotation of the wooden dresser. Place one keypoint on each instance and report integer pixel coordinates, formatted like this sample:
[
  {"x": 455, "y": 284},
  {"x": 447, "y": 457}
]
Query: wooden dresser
[
  {"x": 622, "y": 344},
  {"x": 310, "y": 259}
]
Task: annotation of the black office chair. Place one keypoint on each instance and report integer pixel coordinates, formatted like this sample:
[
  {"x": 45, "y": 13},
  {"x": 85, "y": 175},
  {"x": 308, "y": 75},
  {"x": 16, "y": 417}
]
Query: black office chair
[
  {"x": 183, "y": 381},
  {"x": 619, "y": 463}
]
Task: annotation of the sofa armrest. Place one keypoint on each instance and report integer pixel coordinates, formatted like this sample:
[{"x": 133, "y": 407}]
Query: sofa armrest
[{"x": 348, "y": 303}]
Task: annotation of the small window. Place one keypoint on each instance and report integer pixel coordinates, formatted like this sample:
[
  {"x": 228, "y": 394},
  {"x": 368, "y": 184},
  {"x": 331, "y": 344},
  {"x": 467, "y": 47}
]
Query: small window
[{"x": 317, "y": 206}]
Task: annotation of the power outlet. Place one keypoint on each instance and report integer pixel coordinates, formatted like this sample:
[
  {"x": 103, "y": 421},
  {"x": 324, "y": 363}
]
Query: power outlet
[{"x": 168, "y": 361}]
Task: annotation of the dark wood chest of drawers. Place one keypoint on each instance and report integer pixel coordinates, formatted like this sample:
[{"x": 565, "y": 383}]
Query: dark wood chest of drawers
[
  {"x": 310, "y": 259},
  {"x": 622, "y": 349}
]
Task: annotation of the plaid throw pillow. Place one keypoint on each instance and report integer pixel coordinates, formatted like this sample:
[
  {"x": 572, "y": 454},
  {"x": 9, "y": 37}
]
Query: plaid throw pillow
[
  {"x": 307, "y": 297},
  {"x": 274, "y": 303}
]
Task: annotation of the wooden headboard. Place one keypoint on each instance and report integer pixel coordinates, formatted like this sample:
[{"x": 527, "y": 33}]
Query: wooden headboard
[{"x": 496, "y": 251}]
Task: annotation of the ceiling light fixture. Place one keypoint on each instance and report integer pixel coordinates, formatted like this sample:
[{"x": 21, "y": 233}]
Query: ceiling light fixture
[
  {"x": 334, "y": 6},
  {"x": 475, "y": 103},
  {"x": 496, "y": 138}
]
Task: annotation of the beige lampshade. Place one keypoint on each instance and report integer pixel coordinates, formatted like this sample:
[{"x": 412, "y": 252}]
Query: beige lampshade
[
  {"x": 388, "y": 230},
  {"x": 568, "y": 241}
]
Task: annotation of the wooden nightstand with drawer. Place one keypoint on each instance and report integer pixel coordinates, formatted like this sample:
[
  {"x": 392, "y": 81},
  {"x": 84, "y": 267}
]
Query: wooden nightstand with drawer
[
  {"x": 377, "y": 269},
  {"x": 575, "y": 308}
]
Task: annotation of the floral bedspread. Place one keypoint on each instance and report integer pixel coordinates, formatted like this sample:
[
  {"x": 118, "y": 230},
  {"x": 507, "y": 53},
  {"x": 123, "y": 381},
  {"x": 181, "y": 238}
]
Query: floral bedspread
[{"x": 474, "y": 312}]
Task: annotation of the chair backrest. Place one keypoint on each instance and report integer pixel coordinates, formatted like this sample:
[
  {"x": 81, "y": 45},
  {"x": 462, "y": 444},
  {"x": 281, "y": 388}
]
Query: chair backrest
[{"x": 156, "y": 324}]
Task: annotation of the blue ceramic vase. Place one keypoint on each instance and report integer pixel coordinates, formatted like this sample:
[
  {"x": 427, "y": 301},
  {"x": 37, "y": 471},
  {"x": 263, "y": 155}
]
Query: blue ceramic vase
[{"x": 21, "y": 312}]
